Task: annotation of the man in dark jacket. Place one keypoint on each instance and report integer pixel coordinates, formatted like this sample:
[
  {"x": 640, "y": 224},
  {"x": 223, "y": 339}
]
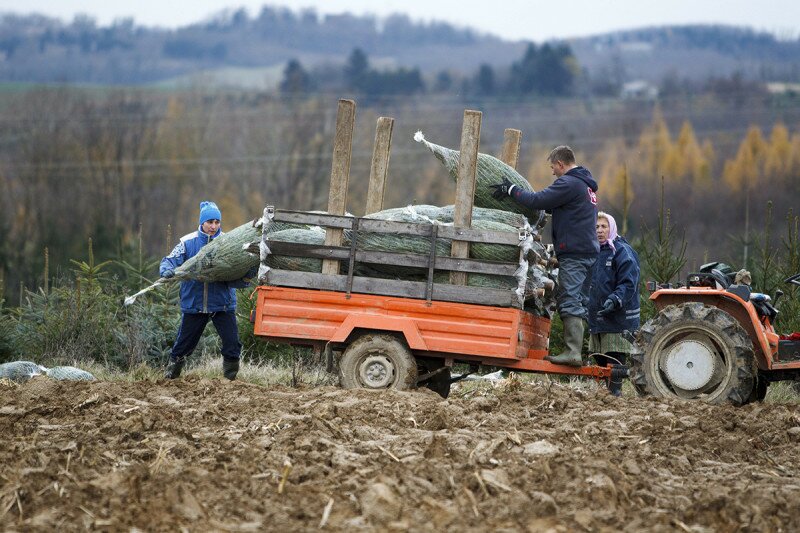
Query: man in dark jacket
[
  {"x": 201, "y": 302},
  {"x": 572, "y": 200}
]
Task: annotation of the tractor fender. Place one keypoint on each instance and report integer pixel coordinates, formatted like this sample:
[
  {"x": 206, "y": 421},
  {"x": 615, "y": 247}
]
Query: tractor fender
[
  {"x": 402, "y": 325},
  {"x": 739, "y": 309}
]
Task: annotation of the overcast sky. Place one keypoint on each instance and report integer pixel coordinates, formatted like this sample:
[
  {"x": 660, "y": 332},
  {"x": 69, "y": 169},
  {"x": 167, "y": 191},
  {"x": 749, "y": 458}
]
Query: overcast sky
[{"x": 535, "y": 20}]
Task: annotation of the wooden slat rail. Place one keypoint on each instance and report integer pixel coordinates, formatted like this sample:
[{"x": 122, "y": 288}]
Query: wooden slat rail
[
  {"x": 389, "y": 287},
  {"x": 368, "y": 225},
  {"x": 342, "y": 253}
]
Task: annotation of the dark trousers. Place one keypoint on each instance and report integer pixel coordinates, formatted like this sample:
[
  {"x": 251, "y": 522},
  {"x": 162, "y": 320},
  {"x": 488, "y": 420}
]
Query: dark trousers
[
  {"x": 612, "y": 358},
  {"x": 192, "y": 326}
]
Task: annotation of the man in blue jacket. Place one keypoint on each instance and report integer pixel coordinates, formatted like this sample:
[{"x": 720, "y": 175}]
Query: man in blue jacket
[
  {"x": 572, "y": 200},
  {"x": 203, "y": 301}
]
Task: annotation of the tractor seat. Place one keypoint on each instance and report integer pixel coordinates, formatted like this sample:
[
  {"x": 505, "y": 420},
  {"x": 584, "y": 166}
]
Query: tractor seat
[{"x": 742, "y": 291}]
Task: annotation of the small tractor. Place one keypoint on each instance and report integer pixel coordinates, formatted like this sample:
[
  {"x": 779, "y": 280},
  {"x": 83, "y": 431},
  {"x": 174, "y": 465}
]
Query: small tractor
[{"x": 713, "y": 340}]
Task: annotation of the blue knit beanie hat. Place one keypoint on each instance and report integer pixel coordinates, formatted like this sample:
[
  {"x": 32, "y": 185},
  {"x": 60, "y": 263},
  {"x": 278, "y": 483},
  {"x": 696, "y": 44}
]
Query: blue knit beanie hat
[{"x": 209, "y": 211}]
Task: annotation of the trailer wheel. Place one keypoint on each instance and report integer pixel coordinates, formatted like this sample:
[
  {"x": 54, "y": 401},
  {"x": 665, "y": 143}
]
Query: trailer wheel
[
  {"x": 695, "y": 351},
  {"x": 378, "y": 361}
]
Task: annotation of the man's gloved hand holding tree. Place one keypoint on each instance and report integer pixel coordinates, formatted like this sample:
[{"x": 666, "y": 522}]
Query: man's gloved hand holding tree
[{"x": 501, "y": 190}]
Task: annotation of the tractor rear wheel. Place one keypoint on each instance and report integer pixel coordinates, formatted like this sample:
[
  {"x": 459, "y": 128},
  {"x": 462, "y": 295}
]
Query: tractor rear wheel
[
  {"x": 695, "y": 351},
  {"x": 378, "y": 361}
]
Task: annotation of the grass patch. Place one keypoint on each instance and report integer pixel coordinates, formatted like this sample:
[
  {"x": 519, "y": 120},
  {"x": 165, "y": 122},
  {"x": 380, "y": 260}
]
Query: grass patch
[
  {"x": 783, "y": 392},
  {"x": 301, "y": 372}
]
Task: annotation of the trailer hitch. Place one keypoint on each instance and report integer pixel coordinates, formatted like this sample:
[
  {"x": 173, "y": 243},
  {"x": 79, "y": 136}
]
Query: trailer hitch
[
  {"x": 473, "y": 369},
  {"x": 619, "y": 372}
]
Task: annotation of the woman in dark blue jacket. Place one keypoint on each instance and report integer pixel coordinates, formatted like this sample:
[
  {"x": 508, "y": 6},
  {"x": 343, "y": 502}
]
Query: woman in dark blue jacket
[{"x": 613, "y": 298}]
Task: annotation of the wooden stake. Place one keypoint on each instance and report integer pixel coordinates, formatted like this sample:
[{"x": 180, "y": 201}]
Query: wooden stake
[
  {"x": 141, "y": 253},
  {"x": 511, "y": 141},
  {"x": 465, "y": 186},
  {"x": 46, "y": 270},
  {"x": 380, "y": 165},
  {"x": 340, "y": 176}
]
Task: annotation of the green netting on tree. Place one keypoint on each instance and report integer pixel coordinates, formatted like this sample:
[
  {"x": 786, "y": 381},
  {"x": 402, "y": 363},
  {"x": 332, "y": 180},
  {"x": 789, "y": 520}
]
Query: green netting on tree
[
  {"x": 494, "y": 252},
  {"x": 20, "y": 370},
  {"x": 69, "y": 373},
  {"x": 421, "y": 245},
  {"x": 311, "y": 235},
  {"x": 490, "y": 171},
  {"x": 516, "y": 220},
  {"x": 223, "y": 259}
]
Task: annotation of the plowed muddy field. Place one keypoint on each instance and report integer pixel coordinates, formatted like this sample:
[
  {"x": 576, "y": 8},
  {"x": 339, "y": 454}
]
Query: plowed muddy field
[{"x": 200, "y": 455}]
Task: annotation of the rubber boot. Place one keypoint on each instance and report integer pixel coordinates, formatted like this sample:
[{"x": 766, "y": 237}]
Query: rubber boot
[
  {"x": 174, "y": 368},
  {"x": 230, "y": 367},
  {"x": 573, "y": 338},
  {"x": 615, "y": 386},
  {"x": 615, "y": 383}
]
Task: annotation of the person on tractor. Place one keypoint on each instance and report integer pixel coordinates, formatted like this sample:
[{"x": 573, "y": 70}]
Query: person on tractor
[
  {"x": 613, "y": 298},
  {"x": 201, "y": 302},
  {"x": 572, "y": 200}
]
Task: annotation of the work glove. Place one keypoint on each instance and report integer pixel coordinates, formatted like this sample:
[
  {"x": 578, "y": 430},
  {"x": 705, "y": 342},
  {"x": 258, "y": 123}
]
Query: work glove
[
  {"x": 501, "y": 190},
  {"x": 609, "y": 306},
  {"x": 168, "y": 273}
]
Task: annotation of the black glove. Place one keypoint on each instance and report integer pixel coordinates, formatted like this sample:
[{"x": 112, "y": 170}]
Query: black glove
[
  {"x": 168, "y": 273},
  {"x": 501, "y": 190},
  {"x": 609, "y": 306}
]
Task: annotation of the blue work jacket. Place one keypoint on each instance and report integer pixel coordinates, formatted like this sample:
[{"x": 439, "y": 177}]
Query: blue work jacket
[
  {"x": 572, "y": 200},
  {"x": 615, "y": 275}
]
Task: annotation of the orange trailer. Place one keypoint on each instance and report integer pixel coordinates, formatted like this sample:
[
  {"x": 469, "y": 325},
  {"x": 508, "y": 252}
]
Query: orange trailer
[{"x": 398, "y": 334}]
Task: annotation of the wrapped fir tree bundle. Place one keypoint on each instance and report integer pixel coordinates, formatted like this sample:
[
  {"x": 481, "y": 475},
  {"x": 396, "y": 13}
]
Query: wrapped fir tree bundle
[
  {"x": 20, "y": 370},
  {"x": 311, "y": 235},
  {"x": 69, "y": 373},
  {"x": 490, "y": 171},
  {"x": 223, "y": 259}
]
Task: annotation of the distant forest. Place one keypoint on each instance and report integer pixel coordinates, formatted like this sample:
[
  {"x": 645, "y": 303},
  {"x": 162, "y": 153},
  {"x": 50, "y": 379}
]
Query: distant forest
[
  {"x": 111, "y": 133},
  {"x": 128, "y": 167},
  {"x": 233, "y": 48}
]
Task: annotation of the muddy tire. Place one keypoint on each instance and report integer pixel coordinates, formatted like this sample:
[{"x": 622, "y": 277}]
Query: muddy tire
[
  {"x": 378, "y": 361},
  {"x": 695, "y": 352}
]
